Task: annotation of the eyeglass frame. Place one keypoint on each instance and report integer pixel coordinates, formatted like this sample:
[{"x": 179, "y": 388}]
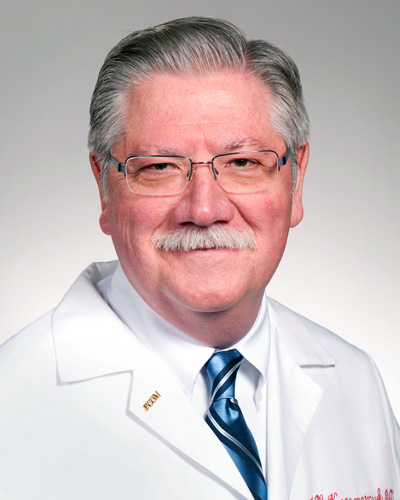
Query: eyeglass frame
[{"x": 281, "y": 161}]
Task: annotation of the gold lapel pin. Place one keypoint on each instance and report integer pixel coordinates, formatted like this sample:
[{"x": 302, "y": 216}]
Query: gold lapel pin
[{"x": 152, "y": 399}]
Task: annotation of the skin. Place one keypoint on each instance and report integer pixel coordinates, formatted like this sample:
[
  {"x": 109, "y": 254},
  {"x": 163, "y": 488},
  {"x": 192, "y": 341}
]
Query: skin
[{"x": 212, "y": 295}]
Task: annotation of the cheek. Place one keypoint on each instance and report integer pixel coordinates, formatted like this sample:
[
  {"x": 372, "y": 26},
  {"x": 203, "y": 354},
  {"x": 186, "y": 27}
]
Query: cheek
[
  {"x": 133, "y": 221},
  {"x": 127, "y": 213},
  {"x": 270, "y": 219},
  {"x": 272, "y": 213}
]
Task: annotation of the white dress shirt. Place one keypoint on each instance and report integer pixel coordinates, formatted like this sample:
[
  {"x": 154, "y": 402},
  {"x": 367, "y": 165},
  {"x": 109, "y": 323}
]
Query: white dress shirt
[{"x": 186, "y": 356}]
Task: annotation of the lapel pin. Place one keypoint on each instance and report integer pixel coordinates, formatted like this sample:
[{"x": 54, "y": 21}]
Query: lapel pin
[{"x": 152, "y": 399}]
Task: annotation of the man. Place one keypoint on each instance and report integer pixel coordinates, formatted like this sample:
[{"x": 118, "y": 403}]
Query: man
[{"x": 199, "y": 147}]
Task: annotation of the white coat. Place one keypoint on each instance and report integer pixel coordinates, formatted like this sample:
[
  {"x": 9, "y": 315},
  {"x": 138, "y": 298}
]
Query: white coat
[{"x": 75, "y": 387}]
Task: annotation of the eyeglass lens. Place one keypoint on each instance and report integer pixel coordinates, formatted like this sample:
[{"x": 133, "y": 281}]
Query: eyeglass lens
[{"x": 236, "y": 173}]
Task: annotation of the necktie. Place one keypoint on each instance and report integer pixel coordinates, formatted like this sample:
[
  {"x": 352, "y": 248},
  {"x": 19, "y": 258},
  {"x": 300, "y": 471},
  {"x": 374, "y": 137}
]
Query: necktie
[{"x": 227, "y": 421}]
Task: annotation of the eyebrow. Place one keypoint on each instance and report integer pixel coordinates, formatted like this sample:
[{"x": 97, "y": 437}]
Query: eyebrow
[
  {"x": 229, "y": 147},
  {"x": 158, "y": 150},
  {"x": 248, "y": 143}
]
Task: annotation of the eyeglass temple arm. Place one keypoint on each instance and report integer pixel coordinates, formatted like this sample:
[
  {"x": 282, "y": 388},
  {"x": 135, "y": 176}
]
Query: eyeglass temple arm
[
  {"x": 282, "y": 161},
  {"x": 119, "y": 166}
]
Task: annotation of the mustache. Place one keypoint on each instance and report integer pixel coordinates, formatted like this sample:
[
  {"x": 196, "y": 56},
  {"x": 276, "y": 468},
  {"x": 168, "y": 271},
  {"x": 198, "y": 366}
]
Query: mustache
[{"x": 192, "y": 237}]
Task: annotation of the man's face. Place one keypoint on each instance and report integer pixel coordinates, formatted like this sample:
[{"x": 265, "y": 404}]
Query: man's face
[{"x": 199, "y": 117}]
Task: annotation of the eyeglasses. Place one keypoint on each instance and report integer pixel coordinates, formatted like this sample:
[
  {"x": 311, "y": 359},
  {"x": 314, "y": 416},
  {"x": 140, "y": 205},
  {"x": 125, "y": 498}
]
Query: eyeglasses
[{"x": 244, "y": 172}]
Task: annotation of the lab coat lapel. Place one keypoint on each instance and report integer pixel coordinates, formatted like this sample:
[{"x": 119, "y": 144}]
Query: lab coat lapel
[
  {"x": 293, "y": 397},
  {"x": 292, "y": 401},
  {"x": 170, "y": 414}
]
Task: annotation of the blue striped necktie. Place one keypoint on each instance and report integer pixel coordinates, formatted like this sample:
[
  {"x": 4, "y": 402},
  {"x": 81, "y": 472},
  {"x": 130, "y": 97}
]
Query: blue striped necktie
[{"x": 227, "y": 421}]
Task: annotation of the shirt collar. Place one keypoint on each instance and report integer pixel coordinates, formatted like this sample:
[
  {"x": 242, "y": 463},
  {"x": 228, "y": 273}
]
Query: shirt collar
[{"x": 182, "y": 353}]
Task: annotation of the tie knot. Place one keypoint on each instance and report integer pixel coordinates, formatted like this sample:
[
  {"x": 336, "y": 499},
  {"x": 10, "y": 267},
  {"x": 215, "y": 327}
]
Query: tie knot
[{"x": 221, "y": 369}]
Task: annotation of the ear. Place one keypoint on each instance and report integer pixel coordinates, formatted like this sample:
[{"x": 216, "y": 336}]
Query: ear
[
  {"x": 96, "y": 169},
  {"x": 297, "y": 203}
]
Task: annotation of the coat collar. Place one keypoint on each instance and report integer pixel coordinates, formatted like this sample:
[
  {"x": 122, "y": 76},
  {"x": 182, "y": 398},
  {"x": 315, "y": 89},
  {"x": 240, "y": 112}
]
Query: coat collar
[
  {"x": 299, "y": 335},
  {"x": 90, "y": 340},
  {"x": 107, "y": 346}
]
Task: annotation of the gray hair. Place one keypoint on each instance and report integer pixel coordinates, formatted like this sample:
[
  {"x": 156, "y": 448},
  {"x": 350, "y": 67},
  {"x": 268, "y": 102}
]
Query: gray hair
[{"x": 193, "y": 46}]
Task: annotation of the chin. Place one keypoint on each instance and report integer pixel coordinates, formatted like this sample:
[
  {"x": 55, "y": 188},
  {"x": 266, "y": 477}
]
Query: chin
[{"x": 211, "y": 301}]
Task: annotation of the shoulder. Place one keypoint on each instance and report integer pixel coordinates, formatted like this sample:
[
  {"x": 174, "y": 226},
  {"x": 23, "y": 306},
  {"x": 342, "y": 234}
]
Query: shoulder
[
  {"x": 353, "y": 390},
  {"x": 31, "y": 352},
  {"x": 347, "y": 374},
  {"x": 28, "y": 371},
  {"x": 27, "y": 345}
]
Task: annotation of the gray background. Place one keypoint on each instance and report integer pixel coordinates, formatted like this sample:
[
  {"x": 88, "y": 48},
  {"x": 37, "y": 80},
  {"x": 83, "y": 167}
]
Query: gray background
[{"x": 341, "y": 267}]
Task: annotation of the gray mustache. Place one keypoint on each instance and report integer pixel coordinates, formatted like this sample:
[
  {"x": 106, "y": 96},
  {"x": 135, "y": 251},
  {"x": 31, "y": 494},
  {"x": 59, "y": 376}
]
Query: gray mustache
[{"x": 192, "y": 237}]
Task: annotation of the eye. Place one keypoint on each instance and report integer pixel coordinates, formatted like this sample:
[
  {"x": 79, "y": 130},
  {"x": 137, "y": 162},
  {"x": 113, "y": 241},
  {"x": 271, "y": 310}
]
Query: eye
[
  {"x": 159, "y": 166},
  {"x": 242, "y": 162}
]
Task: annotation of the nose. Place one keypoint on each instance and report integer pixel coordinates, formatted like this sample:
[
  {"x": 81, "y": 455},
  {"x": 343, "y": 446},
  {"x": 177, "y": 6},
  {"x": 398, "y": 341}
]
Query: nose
[{"x": 204, "y": 202}]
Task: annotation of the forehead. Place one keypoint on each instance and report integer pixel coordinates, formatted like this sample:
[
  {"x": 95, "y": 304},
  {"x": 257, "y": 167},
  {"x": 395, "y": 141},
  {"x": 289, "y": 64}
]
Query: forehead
[{"x": 216, "y": 108}]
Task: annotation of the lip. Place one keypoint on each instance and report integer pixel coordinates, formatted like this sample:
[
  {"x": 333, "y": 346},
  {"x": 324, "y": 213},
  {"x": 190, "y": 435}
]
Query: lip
[
  {"x": 205, "y": 261},
  {"x": 205, "y": 249}
]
